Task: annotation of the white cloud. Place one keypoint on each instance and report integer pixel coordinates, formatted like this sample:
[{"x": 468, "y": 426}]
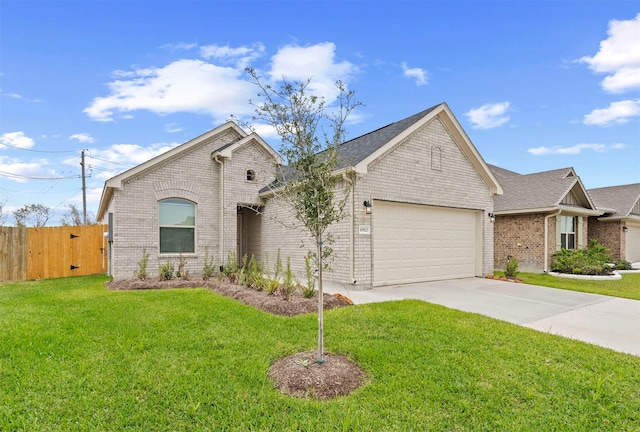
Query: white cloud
[
  {"x": 16, "y": 139},
  {"x": 240, "y": 57},
  {"x": 129, "y": 154},
  {"x": 619, "y": 56},
  {"x": 315, "y": 62},
  {"x": 17, "y": 170},
  {"x": 182, "y": 86},
  {"x": 420, "y": 75},
  {"x": 82, "y": 137},
  {"x": 198, "y": 86},
  {"x": 179, "y": 46},
  {"x": 615, "y": 113},
  {"x": 489, "y": 116},
  {"x": 172, "y": 128},
  {"x": 574, "y": 150}
]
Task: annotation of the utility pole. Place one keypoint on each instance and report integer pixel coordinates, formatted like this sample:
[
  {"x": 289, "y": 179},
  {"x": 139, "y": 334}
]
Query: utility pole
[{"x": 84, "y": 190}]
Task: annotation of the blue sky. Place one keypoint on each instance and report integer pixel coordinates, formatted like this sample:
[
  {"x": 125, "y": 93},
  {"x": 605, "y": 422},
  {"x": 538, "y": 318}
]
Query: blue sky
[{"x": 536, "y": 85}]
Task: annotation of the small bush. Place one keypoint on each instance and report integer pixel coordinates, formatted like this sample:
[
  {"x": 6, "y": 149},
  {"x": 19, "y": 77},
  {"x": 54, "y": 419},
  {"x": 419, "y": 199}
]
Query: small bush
[
  {"x": 181, "y": 272},
  {"x": 590, "y": 261},
  {"x": 511, "y": 269},
  {"x": 288, "y": 286},
  {"x": 622, "y": 265},
  {"x": 142, "y": 265},
  {"x": 166, "y": 271},
  {"x": 231, "y": 270},
  {"x": 208, "y": 268},
  {"x": 309, "y": 290}
]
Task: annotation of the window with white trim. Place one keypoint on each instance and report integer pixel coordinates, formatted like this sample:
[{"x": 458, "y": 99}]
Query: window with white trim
[
  {"x": 177, "y": 226},
  {"x": 567, "y": 232}
]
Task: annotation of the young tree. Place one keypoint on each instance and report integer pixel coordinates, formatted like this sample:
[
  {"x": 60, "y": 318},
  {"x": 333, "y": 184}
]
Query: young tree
[
  {"x": 72, "y": 217},
  {"x": 310, "y": 132},
  {"x": 36, "y": 215}
]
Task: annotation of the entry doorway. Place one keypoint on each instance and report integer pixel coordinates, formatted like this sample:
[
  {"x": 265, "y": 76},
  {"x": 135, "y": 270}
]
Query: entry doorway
[{"x": 249, "y": 231}]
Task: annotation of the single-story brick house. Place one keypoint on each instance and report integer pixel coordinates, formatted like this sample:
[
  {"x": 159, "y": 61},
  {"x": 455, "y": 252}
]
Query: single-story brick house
[
  {"x": 419, "y": 208},
  {"x": 539, "y": 214},
  {"x": 619, "y": 227}
]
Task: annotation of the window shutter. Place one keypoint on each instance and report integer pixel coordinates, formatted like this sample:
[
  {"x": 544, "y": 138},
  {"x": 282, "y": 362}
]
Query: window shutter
[
  {"x": 558, "y": 241},
  {"x": 579, "y": 236}
]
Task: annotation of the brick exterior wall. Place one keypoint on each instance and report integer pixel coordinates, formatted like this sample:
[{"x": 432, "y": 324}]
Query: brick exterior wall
[
  {"x": 427, "y": 168},
  {"x": 404, "y": 174},
  {"x": 522, "y": 236},
  {"x": 610, "y": 235},
  {"x": 194, "y": 176}
]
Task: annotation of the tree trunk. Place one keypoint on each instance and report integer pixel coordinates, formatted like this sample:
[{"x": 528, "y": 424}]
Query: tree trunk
[{"x": 320, "y": 358}]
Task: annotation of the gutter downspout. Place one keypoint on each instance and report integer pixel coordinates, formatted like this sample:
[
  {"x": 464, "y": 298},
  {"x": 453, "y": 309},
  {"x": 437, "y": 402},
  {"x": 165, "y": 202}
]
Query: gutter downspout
[
  {"x": 351, "y": 231},
  {"x": 546, "y": 239},
  {"x": 221, "y": 221}
]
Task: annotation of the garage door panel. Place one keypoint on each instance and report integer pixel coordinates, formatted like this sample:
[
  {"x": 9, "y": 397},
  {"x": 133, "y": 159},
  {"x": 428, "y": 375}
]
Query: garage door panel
[
  {"x": 632, "y": 252},
  {"x": 419, "y": 243}
]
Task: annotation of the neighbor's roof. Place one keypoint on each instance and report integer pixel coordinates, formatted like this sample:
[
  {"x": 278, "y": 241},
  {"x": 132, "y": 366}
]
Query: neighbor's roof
[
  {"x": 622, "y": 198},
  {"x": 541, "y": 191}
]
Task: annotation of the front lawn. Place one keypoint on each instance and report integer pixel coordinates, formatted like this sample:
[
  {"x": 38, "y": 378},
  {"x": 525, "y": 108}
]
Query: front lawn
[
  {"x": 627, "y": 287},
  {"x": 77, "y": 357}
]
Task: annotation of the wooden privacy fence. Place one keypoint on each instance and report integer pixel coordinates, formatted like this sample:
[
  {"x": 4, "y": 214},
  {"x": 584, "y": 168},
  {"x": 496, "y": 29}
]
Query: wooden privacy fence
[{"x": 51, "y": 252}]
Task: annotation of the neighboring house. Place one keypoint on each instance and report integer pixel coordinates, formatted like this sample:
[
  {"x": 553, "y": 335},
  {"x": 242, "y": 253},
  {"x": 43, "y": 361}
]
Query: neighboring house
[
  {"x": 619, "y": 227},
  {"x": 539, "y": 214},
  {"x": 418, "y": 209}
]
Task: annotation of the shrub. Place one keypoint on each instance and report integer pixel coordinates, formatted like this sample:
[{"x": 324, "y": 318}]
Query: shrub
[
  {"x": 208, "y": 268},
  {"x": 231, "y": 270},
  {"x": 622, "y": 265},
  {"x": 182, "y": 273},
  {"x": 166, "y": 271},
  {"x": 310, "y": 290},
  {"x": 142, "y": 265},
  {"x": 511, "y": 269},
  {"x": 590, "y": 261},
  {"x": 288, "y": 283}
]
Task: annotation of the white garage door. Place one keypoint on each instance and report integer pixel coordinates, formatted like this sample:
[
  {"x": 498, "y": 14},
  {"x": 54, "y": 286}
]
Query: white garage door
[
  {"x": 414, "y": 243},
  {"x": 632, "y": 252}
]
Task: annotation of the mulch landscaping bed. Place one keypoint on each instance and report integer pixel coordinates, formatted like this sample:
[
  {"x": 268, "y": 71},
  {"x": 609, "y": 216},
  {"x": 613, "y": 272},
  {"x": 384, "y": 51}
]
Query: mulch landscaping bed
[{"x": 296, "y": 304}]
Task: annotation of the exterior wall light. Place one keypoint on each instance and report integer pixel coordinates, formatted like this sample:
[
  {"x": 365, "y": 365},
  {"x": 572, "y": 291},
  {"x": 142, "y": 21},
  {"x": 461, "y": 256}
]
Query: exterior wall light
[
  {"x": 492, "y": 216},
  {"x": 625, "y": 229},
  {"x": 368, "y": 208}
]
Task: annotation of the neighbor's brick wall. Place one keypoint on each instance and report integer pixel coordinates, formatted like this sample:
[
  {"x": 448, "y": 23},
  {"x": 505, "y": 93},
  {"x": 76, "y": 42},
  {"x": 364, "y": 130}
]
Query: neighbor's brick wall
[
  {"x": 608, "y": 234},
  {"x": 522, "y": 236}
]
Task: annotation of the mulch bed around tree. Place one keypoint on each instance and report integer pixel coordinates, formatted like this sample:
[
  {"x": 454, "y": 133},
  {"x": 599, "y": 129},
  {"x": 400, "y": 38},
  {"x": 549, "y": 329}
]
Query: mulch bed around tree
[{"x": 298, "y": 375}]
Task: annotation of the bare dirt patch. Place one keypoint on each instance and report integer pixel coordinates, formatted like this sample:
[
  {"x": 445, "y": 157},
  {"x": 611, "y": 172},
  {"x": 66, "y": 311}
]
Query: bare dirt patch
[{"x": 298, "y": 375}]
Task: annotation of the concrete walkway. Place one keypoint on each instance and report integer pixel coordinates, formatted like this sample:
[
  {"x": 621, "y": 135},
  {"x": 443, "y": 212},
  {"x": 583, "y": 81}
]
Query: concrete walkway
[{"x": 610, "y": 322}]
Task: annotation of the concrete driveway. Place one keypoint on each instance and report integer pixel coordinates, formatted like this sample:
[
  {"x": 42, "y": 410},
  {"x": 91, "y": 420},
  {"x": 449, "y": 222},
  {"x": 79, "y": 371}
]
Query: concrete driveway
[{"x": 601, "y": 320}]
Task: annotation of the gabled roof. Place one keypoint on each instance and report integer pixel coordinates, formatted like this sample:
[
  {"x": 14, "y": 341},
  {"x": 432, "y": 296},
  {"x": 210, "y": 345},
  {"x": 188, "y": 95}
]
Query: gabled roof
[
  {"x": 617, "y": 201},
  {"x": 356, "y": 154},
  {"x": 542, "y": 192},
  {"x": 223, "y": 151}
]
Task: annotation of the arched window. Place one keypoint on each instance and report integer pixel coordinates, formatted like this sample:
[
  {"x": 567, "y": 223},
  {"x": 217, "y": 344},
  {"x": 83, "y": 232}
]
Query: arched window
[
  {"x": 177, "y": 226},
  {"x": 251, "y": 175}
]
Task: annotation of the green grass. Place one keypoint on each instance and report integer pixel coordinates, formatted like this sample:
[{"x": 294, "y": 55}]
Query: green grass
[
  {"x": 627, "y": 287},
  {"x": 77, "y": 357}
]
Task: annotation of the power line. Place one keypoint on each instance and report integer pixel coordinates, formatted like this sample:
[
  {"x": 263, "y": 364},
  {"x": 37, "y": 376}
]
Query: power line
[
  {"x": 11, "y": 175},
  {"x": 38, "y": 151},
  {"x": 113, "y": 162}
]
